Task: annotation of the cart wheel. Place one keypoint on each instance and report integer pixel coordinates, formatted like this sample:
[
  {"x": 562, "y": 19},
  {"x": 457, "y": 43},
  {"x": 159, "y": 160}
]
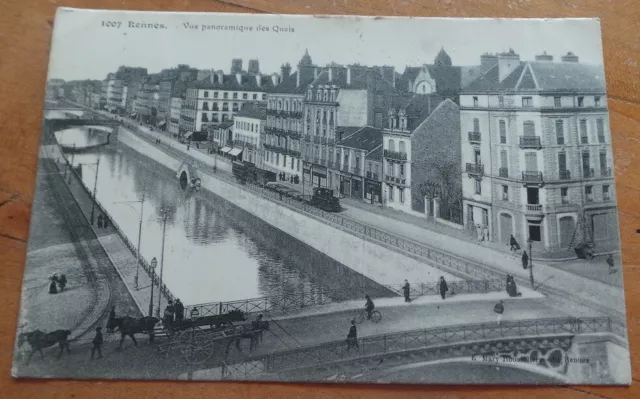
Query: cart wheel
[
  {"x": 360, "y": 317},
  {"x": 190, "y": 336},
  {"x": 198, "y": 352},
  {"x": 376, "y": 316}
]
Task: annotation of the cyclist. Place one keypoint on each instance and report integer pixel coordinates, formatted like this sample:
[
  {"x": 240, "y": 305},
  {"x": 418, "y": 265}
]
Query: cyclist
[{"x": 369, "y": 306}]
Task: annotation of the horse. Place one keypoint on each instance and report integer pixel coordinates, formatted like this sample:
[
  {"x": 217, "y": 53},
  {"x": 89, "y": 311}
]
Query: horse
[
  {"x": 253, "y": 332},
  {"x": 130, "y": 326},
  {"x": 39, "y": 340}
]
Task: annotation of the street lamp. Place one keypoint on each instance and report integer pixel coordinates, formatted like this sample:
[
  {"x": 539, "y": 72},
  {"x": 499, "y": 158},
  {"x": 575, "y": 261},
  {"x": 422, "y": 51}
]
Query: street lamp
[
  {"x": 530, "y": 242},
  {"x": 154, "y": 263},
  {"x": 128, "y": 203},
  {"x": 95, "y": 188},
  {"x": 165, "y": 215}
]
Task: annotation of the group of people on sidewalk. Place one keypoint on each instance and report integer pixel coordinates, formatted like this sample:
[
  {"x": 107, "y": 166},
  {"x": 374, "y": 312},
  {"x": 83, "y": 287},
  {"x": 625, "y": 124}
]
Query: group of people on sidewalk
[
  {"x": 57, "y": 284},
  {"x": 103, "y": 221},
  {"x": 442, "y": 287},
  {"x": 173, "y": 313}
]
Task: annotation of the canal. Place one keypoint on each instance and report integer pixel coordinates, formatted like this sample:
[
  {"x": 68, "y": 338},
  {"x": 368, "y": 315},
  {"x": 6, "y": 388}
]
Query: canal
[{"x": 214, "y": 251}]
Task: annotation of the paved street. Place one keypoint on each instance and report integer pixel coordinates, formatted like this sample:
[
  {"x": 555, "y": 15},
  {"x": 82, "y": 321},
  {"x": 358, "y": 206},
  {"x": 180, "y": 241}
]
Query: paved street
[{"x": 146, "y": 362}]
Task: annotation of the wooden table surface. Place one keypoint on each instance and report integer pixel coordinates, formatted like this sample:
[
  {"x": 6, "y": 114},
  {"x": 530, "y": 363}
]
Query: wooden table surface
[{"x": 25, "y": 35}]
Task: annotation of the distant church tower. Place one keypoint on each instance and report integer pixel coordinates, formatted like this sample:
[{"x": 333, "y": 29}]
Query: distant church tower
[{"x": 442, "y": 59}]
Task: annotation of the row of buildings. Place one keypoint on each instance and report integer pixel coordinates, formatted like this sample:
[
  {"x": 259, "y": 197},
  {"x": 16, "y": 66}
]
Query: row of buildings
[{"x": 516, "y": 147}]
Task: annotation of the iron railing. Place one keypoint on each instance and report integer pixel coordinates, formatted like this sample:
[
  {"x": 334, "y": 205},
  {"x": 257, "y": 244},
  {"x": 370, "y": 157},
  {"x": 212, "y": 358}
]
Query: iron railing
[
  {"x": 455, "y": 287},
  {"x": 564, "y": 174},
  {"x": 530, "y": 142},
  {"x": 605, "y": 172},
  {"x": 474, "y": 137},
  {"x": 400, "y": 156},
  {"x": 335, "y": 351},
  {"x": 532, "y": 177},
  {"x": 503, "y": 172},
  {"x": 537, "y": 208},
  {"x": 475, "y": 169}
]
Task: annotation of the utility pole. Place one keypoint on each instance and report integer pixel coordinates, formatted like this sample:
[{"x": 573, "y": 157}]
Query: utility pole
[
  {"x": 71, "y": 166},
  {"x": 95, "y": 188},
  {"x": 164, "y": 228},
  {"x": 139, "y": 237}
]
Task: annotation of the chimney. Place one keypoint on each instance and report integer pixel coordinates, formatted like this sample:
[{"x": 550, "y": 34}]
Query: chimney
[
  {"x": 488, "y": 60},
  {"x": 239, "y": 78},
  {"x": 259, "y": 80},
  {"x": 274, "y": 79},
  {"x": 315, "y": 72},
  {"x": 298, "y": 78},
  {"x": 285, "y": 71},
  {"x": 330, "y": 74},
  {"x": 348, "y": 75},
  {"x": 570, "y": 57},
  {"x": 544, "y": 57},
  {"x": 220, "y": 76},
  {"x": 507, "y": 63}
]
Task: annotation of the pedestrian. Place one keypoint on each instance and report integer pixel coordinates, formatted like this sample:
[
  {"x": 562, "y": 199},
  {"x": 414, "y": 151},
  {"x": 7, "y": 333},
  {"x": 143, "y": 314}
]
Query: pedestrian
[
  {"x": 62, "y": 282},
  {"x": 525, "y": 260},
  {"x": 369, "y": 306},
  {"x": 407, "y": 291},
  {"x": 97, "y": 343},
  {"x": 499, "y": 309},
  {"x": 514, "y": 244},
  {"x": 105, "y": 222},
  {"x": 100, "y": 218},
  {"x": 443, "y": 287},
  {"x": 352, "y": 336},
  {"x": 485, "y": 233},
  {"x": 479, "y": 231},
  {"x": 611, "y": 264},
  {"x": 169, "y": 312},
  {"x": 112, "y": 317},
  {"x": 179, "y": 307},
  {"x": 53, "y": 289}
]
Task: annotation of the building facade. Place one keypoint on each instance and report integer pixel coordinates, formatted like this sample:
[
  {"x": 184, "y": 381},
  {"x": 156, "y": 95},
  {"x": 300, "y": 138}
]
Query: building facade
[
  {"x": 350, "y": 163},
  {"x": 536, "y": 153},
  {"x": 173, "y": 123},
  {"x": 248, "y": 134}
]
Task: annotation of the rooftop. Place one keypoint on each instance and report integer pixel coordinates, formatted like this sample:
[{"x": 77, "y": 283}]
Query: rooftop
[
  {"x": 230, "y": 82},
  {"x": 289, "y": 85},
  {"x": 366, "y": 138},
  {"x": 375, "y": 155},
  {"x": 253, "y": 110}
]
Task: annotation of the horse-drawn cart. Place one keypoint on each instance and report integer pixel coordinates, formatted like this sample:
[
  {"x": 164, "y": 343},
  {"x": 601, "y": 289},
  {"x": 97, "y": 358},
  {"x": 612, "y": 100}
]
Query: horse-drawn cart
[{"x": 200, "y": 339}]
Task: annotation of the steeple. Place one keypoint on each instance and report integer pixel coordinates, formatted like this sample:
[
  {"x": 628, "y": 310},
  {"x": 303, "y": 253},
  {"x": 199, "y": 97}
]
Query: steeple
[
  {"x": 306, "y": 59},
  {"x": 442, "y": 59}
]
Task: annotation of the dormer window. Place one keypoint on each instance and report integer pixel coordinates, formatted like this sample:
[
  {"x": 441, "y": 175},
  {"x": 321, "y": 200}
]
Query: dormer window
[
  {"x": 475, "y": 101},
  {"x": 596, "y": 101},
  {"x": 580, "y": 101}
]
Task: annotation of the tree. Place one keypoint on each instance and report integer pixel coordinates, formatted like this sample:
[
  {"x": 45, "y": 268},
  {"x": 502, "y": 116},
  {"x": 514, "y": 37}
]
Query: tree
[{"x": 445, "y": 184}]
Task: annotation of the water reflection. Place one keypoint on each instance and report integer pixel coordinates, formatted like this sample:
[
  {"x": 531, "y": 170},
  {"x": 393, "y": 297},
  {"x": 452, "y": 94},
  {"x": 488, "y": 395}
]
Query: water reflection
[
  {"x": 82, "y": 136},
  {"x": 214, "y": 251}
]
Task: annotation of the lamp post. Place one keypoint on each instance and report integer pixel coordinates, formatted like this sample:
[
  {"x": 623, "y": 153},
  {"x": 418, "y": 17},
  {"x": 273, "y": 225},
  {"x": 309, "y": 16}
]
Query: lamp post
[
  {"x": 154, "y": 263},
  {"x": 165, "y": 215},
  {"x": 95, "y": 188},
  {"x": 135, "y": 278},
  {"x": 530, "y": 242}
]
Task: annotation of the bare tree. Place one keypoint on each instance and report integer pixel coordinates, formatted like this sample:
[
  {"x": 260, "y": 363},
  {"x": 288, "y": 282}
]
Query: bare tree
[{"x": 445, "y": 185}]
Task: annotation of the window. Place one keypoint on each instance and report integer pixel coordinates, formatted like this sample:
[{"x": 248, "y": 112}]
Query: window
[
  {"x": 606, "y": 196},
  {"x": 505, "y": 193},
  {"x": 501, "y": 101},
  {"x": 528, "y": 128},
  {"x": 375, "y": 169},
  {"x": 205, "y": 105},
  {"x": 584, "y": 135},
  {"x": 604, "y": 170},
  {"x": 204, "y": 118},
  {"x": 586, "y": 164},
  {"x": 580, "y": 101},
  {"x": 401, "y": 170},
  {"x": 225, "y": 106},
  {"x": 401, "y": 147},
  {"x": 476, "y": 125},
  {"x": 264, "y": 96},
  {"x": 535, "y": 233},
  {"x": 235, "y": 96},
  {"x": 377, "y": 122},
  {"x": 475, "y": 101},
  {"x": 400, "y": 194},
  {"x": 564, "y": 195},
  {"x": 390, "y": 188},
  {"x": 284, "y": 160},
  {"x": 557, "y": 102},
  {"x": 245, "y": 96},
  {"x": 206, "y": 94},
  {"x": 503, "y": 132},
  {"x": 392, "y": 146},
  {"x": 215, "y": 94},
  {"x": 560, "y": 132},
  {"x": 596, "y": 101},
  {"x": 225, "y": 95},
  {"x": 588, "y": 192},
  {"x": 527, "y": 101},
  {"x": 478, "y": 184},
  {"x": 600, "y": 130},
  {"x": 562, "y": 165}
]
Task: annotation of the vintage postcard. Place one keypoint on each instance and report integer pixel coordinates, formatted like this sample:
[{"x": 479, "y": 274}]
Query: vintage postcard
[{"x": 324, "y": 199}]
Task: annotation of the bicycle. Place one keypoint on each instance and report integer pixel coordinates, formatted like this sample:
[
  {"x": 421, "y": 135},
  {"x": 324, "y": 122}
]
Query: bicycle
[{"x": 362, "y": 316}]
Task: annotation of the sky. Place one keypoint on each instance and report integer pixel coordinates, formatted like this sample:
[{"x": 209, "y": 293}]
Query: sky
[{"x": 85, "y": 46}]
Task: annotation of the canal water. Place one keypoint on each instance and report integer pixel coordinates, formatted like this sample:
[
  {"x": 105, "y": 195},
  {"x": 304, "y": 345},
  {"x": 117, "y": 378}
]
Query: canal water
[
  {"x": 214, "y": 251},
  {"x": 83, "y": 137}
]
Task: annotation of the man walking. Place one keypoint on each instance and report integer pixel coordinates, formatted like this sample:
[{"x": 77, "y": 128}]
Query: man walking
[
  {"x": 513, "y": 243},
  {"x": 352, "y": 337},
  {"x": 443, "y": 287},
  {"x": 97, "y": 343},
  {"x": 407, "y": 291},
  {"x": 179, "y": 307},
  {"x": 525, "y": 260},
  {"x": 499, "y": 309},
  {"x": 611, "y": 264}
]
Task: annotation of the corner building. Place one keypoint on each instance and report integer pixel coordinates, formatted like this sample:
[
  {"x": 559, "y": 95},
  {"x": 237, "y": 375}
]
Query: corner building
[{"x": 536, "y": 154}]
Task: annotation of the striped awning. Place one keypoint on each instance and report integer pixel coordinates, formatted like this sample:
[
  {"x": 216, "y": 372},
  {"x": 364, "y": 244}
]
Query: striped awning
[
  {"x": 224, "y": 150},
  {"x": 235, "y": 152}
]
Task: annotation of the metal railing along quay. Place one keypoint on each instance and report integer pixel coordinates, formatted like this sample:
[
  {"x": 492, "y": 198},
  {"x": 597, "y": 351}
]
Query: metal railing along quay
[{"x": 335, "y": 351}]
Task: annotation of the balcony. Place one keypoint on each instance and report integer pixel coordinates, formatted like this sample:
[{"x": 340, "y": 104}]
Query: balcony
[
  {"x": 564, "y": 174},
  {"x": 530, "y": 142},
  {"x": 605, "y": 172},
  {"x": 331, "y": 165},
  {"x": 503, "y": 172},
  {"x": 357, "y": 171},
  {"x": 316, "y": 160},
  {"x": 397, "y": 155},
  {"x": 400, "y": 180},
  {"x": 534, "y": 213},
  {"x": 532, "y": 177},
  {"x": 474, "y": 137},
  {"x": 368, "y": 174},
  {"x": 375, "y": 176},
  {"x": 588, "y": 173},
  {"x": 474, "y": 169},
  {"x": 344, "y": 168}
]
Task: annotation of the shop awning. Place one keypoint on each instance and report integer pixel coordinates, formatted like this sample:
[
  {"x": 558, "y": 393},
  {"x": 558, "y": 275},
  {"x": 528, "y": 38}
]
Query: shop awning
[
  {"x": 188, "y": 134},
  {"x": 235, "y": 152},
  {"x": 162, "y": 123},
  {"x": 134, "y": 115},
  {"x": 224, "y": 150}
]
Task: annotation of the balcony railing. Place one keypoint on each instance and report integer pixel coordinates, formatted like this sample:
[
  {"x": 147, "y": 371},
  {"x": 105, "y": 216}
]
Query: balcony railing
[
  {"x": 605, "y": 172},
  {"x": 475, "y": 169},
  {"x": 401, "y": 156},
  {"x": 474, "y": 137},
  {"x": 588, "y": 173},
  {"x": 564, "y": 174},
  {"x": 532, "y": 177},
  {"x": 356, "y": 170},
  {"x": 503, "y": 172},
  {"x": 316, "y": 160},
  {"x": 530, "y": 142},
  {"x": 534, "y": 207},
  {"x": 344, "y": 168},
  {"x": 395, "y": 179},
  {"x": 368, "y": 174},
  {"x": 375, "y": 176}
]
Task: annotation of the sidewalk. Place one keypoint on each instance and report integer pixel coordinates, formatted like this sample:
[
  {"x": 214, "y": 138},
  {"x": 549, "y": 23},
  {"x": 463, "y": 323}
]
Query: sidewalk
[{"x": 579, "y": 290}]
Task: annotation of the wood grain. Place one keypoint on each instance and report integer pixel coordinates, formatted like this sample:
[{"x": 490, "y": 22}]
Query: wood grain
[{"x": 25, "y": 34}]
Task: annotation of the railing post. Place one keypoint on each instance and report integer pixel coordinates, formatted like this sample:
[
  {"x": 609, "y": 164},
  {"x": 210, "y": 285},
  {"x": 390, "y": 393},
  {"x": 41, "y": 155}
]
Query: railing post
[{"x": 220, "y": 308}]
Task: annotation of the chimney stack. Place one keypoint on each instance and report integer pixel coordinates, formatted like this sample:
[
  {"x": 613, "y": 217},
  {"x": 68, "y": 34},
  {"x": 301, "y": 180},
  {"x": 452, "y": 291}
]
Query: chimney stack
[
  {"x": 348, "y": 75},
  {"x": 507, "y": 63},
  {"x": 544, "y": 57},
  {"x": 298, "y": 78},
  {"x": 330, "y": 74},
  {"x": 488, "y": 60},
  {"x": 239, "y": 77},
  {"x": 285, "y": 70},
  {"x": 259, "y": 80},
  {"x": 315, "y": 72},
  {"x": 570, "y": 57}
]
